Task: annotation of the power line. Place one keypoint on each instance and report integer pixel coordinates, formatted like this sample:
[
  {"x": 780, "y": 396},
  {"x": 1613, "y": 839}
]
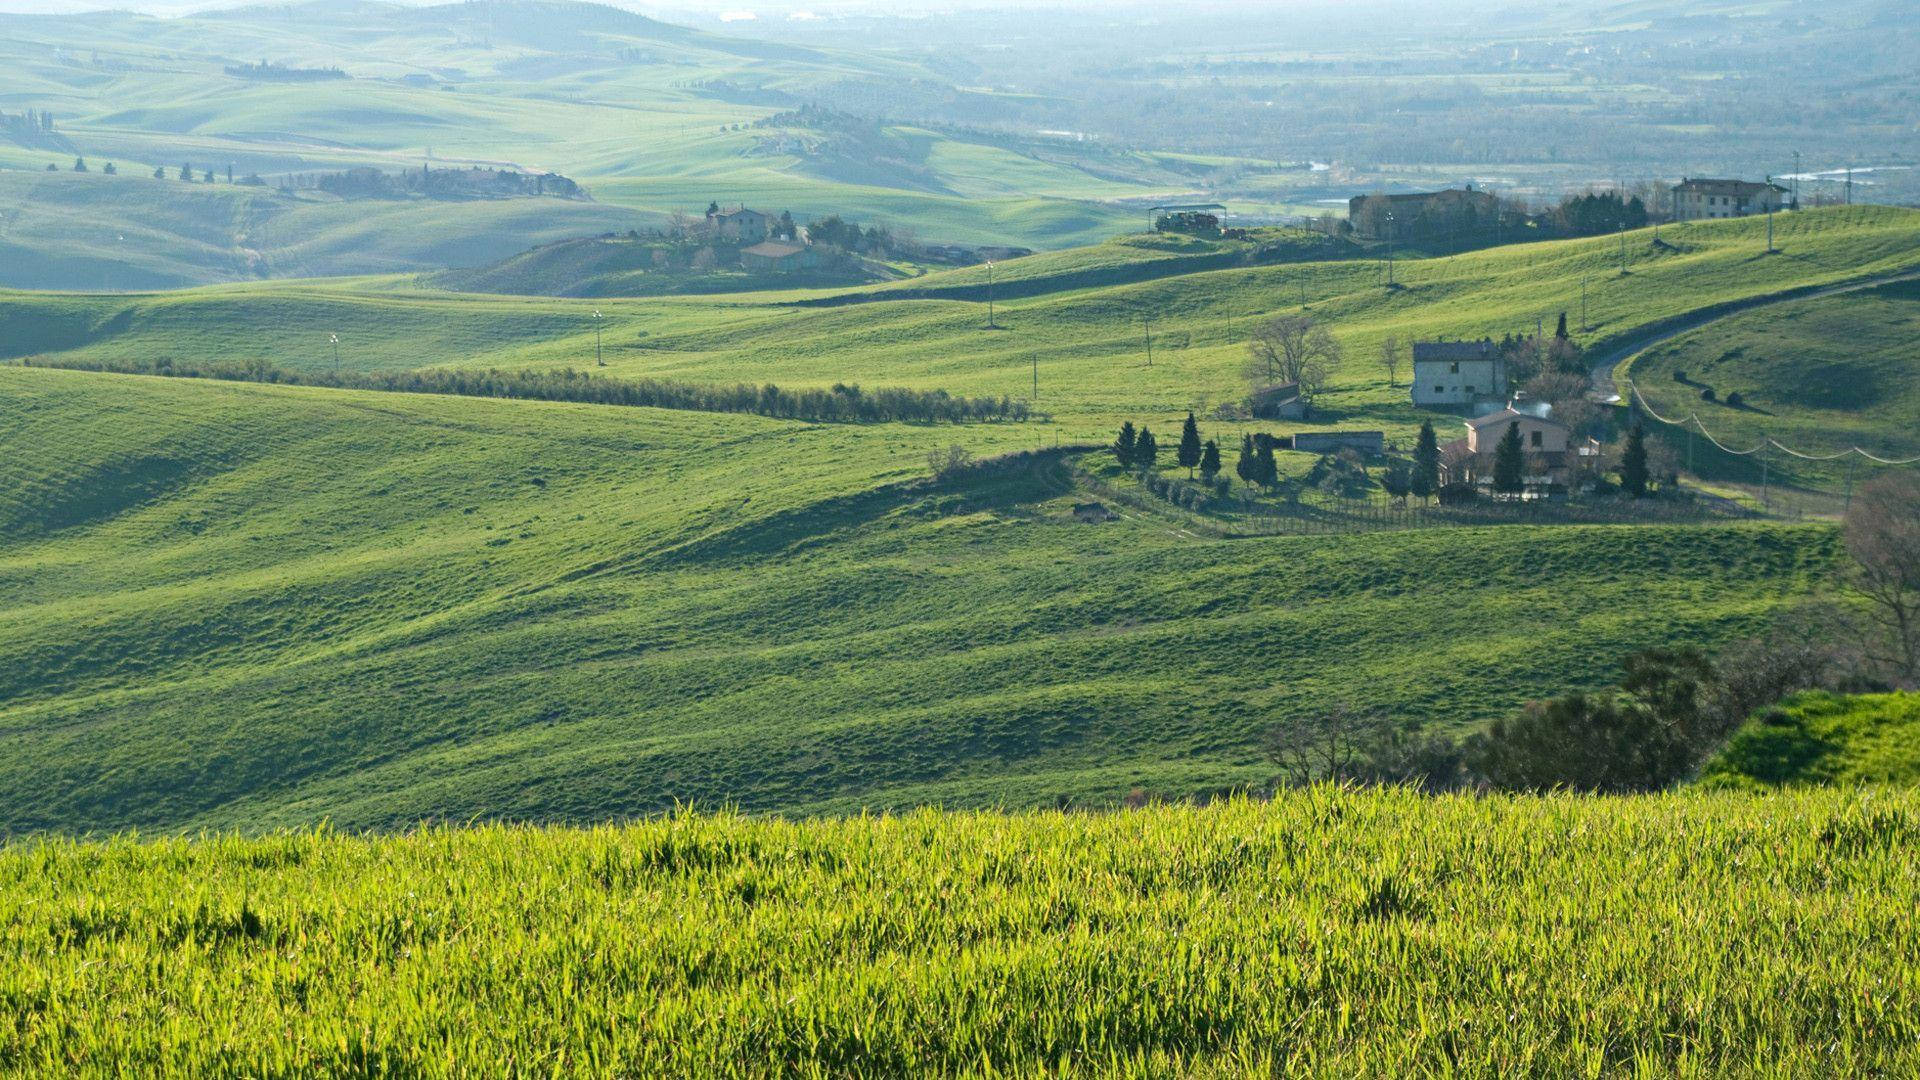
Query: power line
[{"x": 1693, "y": 418}]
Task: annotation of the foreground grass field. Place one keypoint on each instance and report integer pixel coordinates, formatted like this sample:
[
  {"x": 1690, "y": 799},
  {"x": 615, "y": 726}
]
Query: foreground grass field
[
  {"x": 241, "y": 605},
  {"x": 1327, "y": 933}
]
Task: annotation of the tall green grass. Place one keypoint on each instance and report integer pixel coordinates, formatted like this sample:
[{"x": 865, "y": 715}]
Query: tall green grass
[{"x": 1325, "y": 933}]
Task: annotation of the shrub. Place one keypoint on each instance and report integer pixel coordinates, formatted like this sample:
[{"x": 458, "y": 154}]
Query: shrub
[
  {"x": 1707, "y": 394},
  {"x": 1457, "y": 493}
]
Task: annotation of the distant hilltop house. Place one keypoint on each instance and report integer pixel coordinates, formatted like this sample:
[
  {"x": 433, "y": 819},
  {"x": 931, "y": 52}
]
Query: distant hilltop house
[
  {"x": 1699, "y": 200},
  {"x": 779, "y": 257},
  {"x": 1423, "y": 215},
  {"x": 1450, "y": 374},
  {"x": 1547, "y": 445},
  {"x": 739, "y": 225}
]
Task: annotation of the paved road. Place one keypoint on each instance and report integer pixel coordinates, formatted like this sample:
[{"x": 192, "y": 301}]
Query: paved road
[{"x": 1604, "y": 388}]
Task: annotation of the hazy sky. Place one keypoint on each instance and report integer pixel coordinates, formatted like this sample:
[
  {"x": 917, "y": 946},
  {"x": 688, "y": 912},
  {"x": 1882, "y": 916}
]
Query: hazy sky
[{"x": 740, "y": 10}]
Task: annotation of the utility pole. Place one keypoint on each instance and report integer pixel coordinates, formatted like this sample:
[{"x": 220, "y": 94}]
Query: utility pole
[
  {"x": 1796, "y": 179},
  {"x": 1389, "y": 251},
  {"x": 1036, "y": 376},
  {"x": 334, "y": 340},
  {"x": 990, "y": 325},
  {"x": 1583, "y": 303},
  {"x": 1851, "y": 462},
  {"x": 1849, "y": 183},
  {"x": 1769, "y": 223},
  {"x": 598, "y": 359},
  {"x": 1623, "y": 246},
  {"x": 1147, "y": 322}
]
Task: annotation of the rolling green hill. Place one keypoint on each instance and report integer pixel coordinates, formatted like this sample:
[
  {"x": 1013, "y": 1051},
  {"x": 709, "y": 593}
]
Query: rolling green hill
[
  {"x": 1818, "y": 375},
  {"x": 411, "y": 607},
  {"x": 1087, "y": 339},
  {"x": 652, "y": 118},
  {"x": 1821, "y": 738},
  {"x": 1326, "y": 933},
  {"x": 92, "y": 232}
]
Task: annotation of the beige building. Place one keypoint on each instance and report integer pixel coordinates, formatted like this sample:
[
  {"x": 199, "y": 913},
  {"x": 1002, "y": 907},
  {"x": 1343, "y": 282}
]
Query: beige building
[
  {"x": 1703, "y": 200},
  {"x": 1547, "y": 448},
  {"x": 779, "y": 257}
]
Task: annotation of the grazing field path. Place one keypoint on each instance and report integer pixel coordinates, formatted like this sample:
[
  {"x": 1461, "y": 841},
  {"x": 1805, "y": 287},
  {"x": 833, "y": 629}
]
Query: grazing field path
[{"x": 1604, "y": 388}]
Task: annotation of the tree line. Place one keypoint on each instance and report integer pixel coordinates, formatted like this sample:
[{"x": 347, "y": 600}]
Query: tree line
[{"x": 839, "y": 404}]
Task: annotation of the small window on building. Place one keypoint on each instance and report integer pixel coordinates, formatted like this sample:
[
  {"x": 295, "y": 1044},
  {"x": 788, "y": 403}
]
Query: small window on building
[
  {"x": 1536, "y": 438},
  {"x": 1469, "y": 390},
  {"x": 1453, "y": 368}
]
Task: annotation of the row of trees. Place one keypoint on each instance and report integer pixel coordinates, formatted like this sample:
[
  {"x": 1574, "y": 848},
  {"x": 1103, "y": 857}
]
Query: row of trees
[
  {"x": 1141, "y": 450},
  {"x": 840, "y": 403}
]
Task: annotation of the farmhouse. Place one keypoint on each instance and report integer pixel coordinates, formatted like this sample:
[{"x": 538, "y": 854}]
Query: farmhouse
[
  {"x": 779, "y": 257},
  {"x": 1697, "y": 200},
  {"x": 739, "y": 225},
  {"x": 1549, "y": 449},
  {"x": 1423, "y": 215},
  {"x": 1451, "y": 374}
]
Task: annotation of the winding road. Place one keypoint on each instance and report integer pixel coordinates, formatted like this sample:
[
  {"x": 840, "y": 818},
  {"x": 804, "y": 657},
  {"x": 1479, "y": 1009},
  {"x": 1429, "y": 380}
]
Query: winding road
[{"x": 1605, "y": 390}]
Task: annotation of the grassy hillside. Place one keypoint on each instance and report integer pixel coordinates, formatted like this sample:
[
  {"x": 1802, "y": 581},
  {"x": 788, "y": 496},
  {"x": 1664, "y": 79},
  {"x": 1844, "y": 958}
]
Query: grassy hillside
[
  {"x": 426, "y": 606},
  {"x": 1087, "y": 339},
  {"x": 91, "y": 232},
  {"x": 653, "y": 118},
  {"x": 1820, "y": 738},
  {"x": 1326, "y": 933},
  {"x": 1818, "y": 375}
]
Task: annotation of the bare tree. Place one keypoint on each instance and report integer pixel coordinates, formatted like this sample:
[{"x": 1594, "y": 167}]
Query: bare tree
[
  {"x": 1295, "y": 349},
  {"x": 1883, "y": 536},
  {"x": 1390, "y": 359},
  {"x": 1331, "y": 745},
  {"x": 1567, "y": 394}
]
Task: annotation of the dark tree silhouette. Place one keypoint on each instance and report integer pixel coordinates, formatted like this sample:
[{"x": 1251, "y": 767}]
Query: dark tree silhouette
[
  {"x": 1124, "y": 445},
  {"x": 1509, "y": 463},
  {"x": 1426, "y": 463},
  {"x": 1633, "y": 463},
  {"x": 1210, "y": 461},
  {"x": 1146, "y": 451},
  {"x": 1189, "y": 453}
]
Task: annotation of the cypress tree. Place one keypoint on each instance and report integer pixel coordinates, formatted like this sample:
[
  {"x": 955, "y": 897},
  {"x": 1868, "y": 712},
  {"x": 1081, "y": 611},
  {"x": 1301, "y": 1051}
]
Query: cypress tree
[
  {"x": 1146, "y": 451},
  {"x": 1189, "y": 454},
  {"x": 1426, "y": 463},
  {"x": 1245, "y": 468},
  {"x": 1123, "y": 447},
  {"x": 1508, "y": 464},
  {"x": 1561, "y": 330},
  {"x": 1633, "y": 463},
  {"x": 1267, "y": 469},
  {"x": 1210, "y": 461}
]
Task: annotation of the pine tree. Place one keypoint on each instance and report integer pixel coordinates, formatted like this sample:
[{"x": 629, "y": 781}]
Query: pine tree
[
  {"x": 186, "y": 171},
  {"x": 1124, "y": 446},
  {"x": 1210, "y": 461},
  {"x": 1561, "y": 330},
  {"x": 79, "y": 164},
  {"x": 1189, "y": 454},
  {"x": 1266, "y": 470},
  {"x": 1146, "y": 452},
  {"x": 1509, "y": 464},
  {"x": 109, "y": 170},
  {"x": 1633, "y": 463},
  {"x": 159, "y": 172},
  {"x": 1426, "y": 463},
  {"x": 1246, "y": 468}
]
